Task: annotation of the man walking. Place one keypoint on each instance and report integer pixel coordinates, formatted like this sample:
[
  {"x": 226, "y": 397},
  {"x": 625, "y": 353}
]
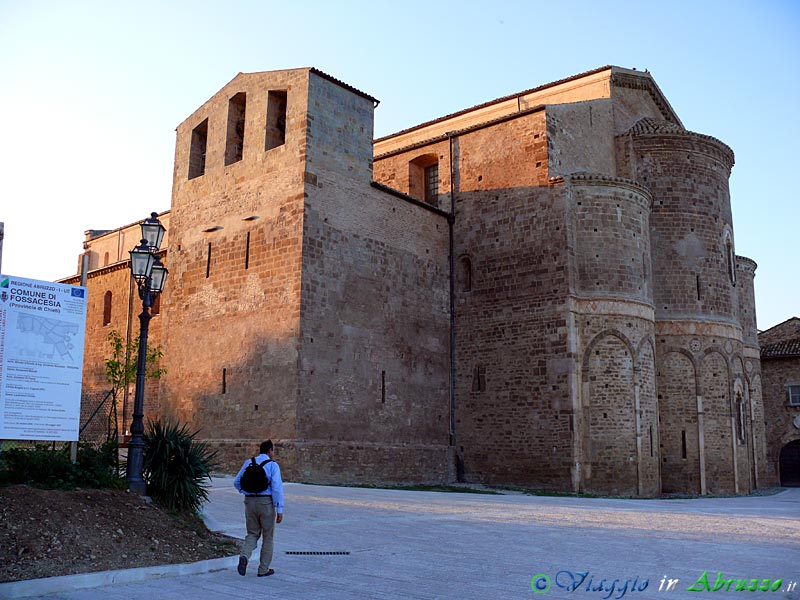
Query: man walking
[{"x": 259, "y": 480}]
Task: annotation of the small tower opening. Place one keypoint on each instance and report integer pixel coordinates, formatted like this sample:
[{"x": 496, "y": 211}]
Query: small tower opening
[
  {"x": 197, "y": 153},
  {"x": 276, "y": 120},
  {"x": 234, "y": 141}
]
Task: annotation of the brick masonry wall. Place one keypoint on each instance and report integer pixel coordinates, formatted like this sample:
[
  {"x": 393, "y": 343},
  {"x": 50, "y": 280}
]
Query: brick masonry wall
[
  {"x": 609, "y": 422},
  {"x": 715, "y": 377},
  {"x": 742, "y": 424},
  {"x": 320, "y": 316},
  {"x": 609, "y": 240},
  {"x": 687, "y": 175},
  {"x": 709, "y": 360},
  {"x": 745, "y": 275},
  {"x": 374, "y": 375},
  {"x": 610, "y": 237},
  {"x": 232, "y": 344},
  {"x": 125, "y": 309},
  {"x": 690, "y": 222},
  {"x": 395, "y": 171},
  {"x": 766, "y": 474},
  {"x": 679, "y": 440},
  {"x": 580, "y": 138},
  {"x": 339, "y": 130},
  {"x": 618, "y": 401},
  {"x": 513, "y": 414},
  {"x": 510, "y": 313}
]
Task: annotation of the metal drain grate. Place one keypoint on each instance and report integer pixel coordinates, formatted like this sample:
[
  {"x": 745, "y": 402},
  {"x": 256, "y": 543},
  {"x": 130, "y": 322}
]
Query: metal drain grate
[{"x": 316, "y": 553}]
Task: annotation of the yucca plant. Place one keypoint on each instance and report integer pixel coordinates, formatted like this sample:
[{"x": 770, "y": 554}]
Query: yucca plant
[{"x": 177, "y": 468}]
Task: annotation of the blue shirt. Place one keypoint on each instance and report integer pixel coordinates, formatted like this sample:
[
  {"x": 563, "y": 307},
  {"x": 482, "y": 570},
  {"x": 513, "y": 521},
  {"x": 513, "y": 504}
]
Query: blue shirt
[{"x": 275, "y": 488}]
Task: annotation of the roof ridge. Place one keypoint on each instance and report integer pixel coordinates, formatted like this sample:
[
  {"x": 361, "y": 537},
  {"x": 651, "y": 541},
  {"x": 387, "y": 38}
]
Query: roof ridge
[{"x": 498, "y": 100}]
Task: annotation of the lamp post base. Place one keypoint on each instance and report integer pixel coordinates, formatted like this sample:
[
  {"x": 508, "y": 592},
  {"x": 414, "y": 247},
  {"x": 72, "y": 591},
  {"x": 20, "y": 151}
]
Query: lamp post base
[{"x": 137, "y": 487}]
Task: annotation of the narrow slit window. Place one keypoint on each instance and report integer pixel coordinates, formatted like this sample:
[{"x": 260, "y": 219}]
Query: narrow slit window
[
  {"x": 107, "y": 308},
  {"x": 479, "y": 379},
  {"x": 156, "y": 308},
  {"x": 651, "y": 440},
  {"x": 699, "y": 287},
  {"x": 234, "y": 141},
  {"x": 683, "y": 444},
  {"x": 224, "y": 380},
  {"x": 197, "y": 153},
  {"x": 247, "y": 252},
  {"x": 208, "y": 261},
  {"x": 731, "y": 259},
  {"x": 466, "y": 274},
  {"x": 644, "y": 267},
  {"x": 383, "y": 387},
  {"x": 276, "y": 119},
  {"x": 740, "y": 417}
]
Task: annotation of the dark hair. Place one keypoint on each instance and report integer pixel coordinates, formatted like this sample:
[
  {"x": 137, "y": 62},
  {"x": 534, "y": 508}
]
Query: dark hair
[{"x": 265, "y": 447}]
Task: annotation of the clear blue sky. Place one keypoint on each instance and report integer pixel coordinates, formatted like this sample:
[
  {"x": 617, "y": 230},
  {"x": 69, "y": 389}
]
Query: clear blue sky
[{"x": 91, "y": 93}]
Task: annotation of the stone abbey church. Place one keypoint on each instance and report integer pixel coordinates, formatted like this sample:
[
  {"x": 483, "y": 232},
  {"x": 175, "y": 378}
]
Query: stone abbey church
[{"x": 538, "y": 291}]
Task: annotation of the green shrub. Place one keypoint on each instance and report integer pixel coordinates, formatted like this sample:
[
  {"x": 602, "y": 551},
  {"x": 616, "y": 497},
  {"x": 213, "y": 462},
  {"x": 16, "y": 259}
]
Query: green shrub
[
  {"x": 46, "y": 467},
  {"x": 176, "y": 467},
  {"x": 99, "y": 467}
]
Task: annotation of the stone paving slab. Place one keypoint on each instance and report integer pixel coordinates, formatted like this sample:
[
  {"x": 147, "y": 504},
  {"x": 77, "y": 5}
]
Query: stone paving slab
[{"x": 431, "y": 545}]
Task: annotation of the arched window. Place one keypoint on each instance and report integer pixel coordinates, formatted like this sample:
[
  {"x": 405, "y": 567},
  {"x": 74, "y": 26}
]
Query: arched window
[
  {"x": 740, "y": 417},
  {"x": 465, "y": 273},
  {"x": 423, "y": 178},
  {"x": 156, "y": 308},
  {"x": 107, "y": 308},
  {"x": 105, "y": 259}
]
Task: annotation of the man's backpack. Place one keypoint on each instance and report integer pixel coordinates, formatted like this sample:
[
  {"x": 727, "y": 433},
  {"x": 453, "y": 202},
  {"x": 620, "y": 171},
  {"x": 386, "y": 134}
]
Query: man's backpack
[{"x": 254, "y": 479}]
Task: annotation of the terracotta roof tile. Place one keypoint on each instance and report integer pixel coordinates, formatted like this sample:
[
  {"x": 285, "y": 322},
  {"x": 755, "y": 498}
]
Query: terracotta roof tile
[{"x": 781, "y": 349}]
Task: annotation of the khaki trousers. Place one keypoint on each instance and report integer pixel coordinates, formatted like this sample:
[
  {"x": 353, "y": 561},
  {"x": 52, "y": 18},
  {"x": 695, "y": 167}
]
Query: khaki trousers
[{"x": 259, "y": 514}]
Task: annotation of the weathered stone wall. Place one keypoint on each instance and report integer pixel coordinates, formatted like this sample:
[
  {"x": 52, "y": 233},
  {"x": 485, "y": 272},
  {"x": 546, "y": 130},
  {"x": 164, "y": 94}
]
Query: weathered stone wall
[
  {"x": 124, "y": 319},
  {"x": 745, "y": 282},
  {"x": 694, "y": 287},
  {"x": 609, "y": 237},
  {"x": 396, "y": 171},
  {"x": 580, "y": 138},
  {"x": 235, "y": 254},
  {"x": 779, "y": 369},
  {"x": 504, "y": 315},
  {"x": 678, "y": 415},
  {"x": 687, "y": 175},
  {"x": 513, "y": 407},
  {"x": 778, "y": 373},
  {"x": 339, "y": 130},
  {"x": 603, "y": 328},
  {"x": 765, "y": 471},
  {"x": 374, "y": 354},
  {"x": 609, "y": 242}
]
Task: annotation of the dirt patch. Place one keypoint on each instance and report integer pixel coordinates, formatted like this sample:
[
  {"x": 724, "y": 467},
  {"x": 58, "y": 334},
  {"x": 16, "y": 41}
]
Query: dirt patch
[{"x": 44, "y": 533}]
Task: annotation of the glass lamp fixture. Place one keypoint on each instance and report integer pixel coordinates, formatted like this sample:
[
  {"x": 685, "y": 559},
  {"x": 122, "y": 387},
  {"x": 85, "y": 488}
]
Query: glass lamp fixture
[
  {"x": 142, "y": 260},
  {"x": 153, "y": 231},
  {"x": 158, "y": 276}
]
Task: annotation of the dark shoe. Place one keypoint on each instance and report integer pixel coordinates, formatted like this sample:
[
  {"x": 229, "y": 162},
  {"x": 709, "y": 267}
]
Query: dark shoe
[
  {"x": 242, "y": 568},
  {"x": 267, "y": 574}
]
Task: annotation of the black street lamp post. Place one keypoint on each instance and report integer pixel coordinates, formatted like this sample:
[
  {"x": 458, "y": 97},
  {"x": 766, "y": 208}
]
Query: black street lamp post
[{"x": 150, "y": 276}]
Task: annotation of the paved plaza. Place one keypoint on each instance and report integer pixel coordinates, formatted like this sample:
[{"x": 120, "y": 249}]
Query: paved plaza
[{"x": 431, "y": 545}]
